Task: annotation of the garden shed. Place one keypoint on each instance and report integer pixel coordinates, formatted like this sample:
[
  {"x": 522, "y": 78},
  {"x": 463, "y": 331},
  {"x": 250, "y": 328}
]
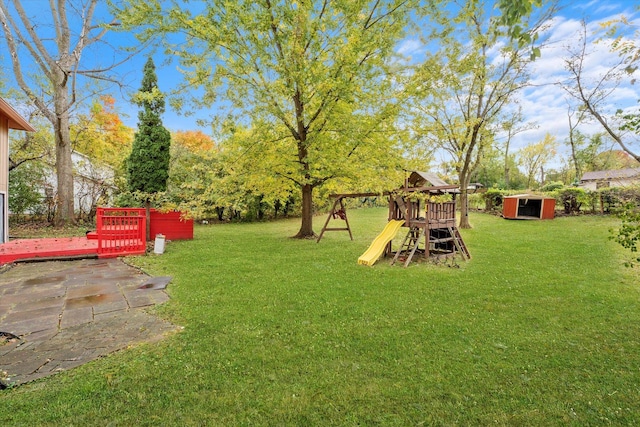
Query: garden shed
[
  {"x": 9, "y": 119},
  {"x": 528, "y": 206}
]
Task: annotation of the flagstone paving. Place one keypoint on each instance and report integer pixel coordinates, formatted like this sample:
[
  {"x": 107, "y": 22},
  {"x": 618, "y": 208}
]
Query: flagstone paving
[{"x": 57, "y": 315}]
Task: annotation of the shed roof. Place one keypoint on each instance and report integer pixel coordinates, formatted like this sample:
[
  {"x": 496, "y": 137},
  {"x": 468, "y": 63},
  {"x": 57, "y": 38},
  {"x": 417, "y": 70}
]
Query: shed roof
[
  {"x": 16, "y": 121},
  {"x": 528, "y": 197},
  {"x": 611, "y": 174}
]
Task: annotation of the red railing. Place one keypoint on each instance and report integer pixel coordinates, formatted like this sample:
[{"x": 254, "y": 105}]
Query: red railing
[
  {"x": 121, "y": 231},
  {"x": 121, "y": 212}
]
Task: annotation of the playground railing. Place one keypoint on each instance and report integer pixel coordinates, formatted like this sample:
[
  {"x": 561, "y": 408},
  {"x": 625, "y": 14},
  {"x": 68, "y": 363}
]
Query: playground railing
[{"x": 442, "y": 213}]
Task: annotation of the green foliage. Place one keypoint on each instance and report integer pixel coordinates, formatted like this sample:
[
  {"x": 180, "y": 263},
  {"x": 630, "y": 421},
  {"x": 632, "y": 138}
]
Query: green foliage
[
  {"x": 552, "y": 186},
  {"x": 617, "y": 198},
  {"x": 29, "y": 147},
  {"x": 514, "y": 16},
  {"x": 148, "y": 163},
  {"x": 631, "y": 122},
  {"x": 535, "y": 157},
  {"x": 24, "y": 182},
  {"x": 311, "y": 82},
  {"x": 492, "y": 198},
  {"x": 223, "y": 184},
  {"x": 593, "y": 153},
  {"x": 572, "y": 199},
  {"x": 461, "y": 90},
  {"x": 490, "y": 171},
  {"x": 628, "y": 233}
]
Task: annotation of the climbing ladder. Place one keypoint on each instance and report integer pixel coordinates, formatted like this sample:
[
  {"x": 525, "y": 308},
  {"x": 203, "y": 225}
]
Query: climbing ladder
[
  {"x": 449, "y": 240},
  {"x": 409, "y": 246},
  {"x": 459, "y": 243},
  {"x": 461, "y": 248}
]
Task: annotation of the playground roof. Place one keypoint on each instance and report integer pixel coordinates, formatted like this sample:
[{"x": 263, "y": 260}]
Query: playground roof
[{"x": 422, "y": 179}]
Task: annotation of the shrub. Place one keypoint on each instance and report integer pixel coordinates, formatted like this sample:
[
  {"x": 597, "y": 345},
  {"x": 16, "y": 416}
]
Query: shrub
[
  {"x": 629, "y": 232},
  {"x": 616, "y": 198},
  {"x": 493, "y": 198},
  {"x": 552, "y": 186},
  {"x": 572, "y": 199},
  {"x": 23, "y": 194}
]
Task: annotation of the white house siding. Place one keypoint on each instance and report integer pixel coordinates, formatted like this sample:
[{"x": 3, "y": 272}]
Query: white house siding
[
  {"x": 614, "y": 178},
  {"x": 91, "y": 182}
]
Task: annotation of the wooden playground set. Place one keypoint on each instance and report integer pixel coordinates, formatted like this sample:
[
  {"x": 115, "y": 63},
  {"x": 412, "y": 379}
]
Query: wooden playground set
[{"x": 431, "y": 225}]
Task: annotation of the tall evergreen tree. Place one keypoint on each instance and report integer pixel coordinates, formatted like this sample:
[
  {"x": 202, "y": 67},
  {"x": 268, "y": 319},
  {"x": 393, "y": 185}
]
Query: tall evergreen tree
[{"x": 148, "y": 164}]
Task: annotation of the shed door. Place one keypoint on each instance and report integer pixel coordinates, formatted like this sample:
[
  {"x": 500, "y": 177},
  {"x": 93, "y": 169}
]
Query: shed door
[
  {"x": 548, "y": 209},
  {"x": 510, "y": 207}
]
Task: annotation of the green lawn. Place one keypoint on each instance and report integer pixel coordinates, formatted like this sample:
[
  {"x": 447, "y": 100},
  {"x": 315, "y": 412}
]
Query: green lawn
[{"x": 541, "y": 327}]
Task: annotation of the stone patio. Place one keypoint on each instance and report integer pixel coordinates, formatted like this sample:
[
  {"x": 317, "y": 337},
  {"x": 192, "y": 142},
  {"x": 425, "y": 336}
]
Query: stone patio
[{"x": 57, "y": 315}]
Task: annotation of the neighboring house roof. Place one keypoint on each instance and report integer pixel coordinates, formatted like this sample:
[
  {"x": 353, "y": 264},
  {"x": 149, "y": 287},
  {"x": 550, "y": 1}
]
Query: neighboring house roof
[
  {"x": 15, "y": 120},
  {"x": 611, "y": 174}
]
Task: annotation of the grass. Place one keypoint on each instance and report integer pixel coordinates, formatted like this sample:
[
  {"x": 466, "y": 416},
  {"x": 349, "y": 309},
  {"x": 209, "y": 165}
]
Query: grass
[{"x": 541, "y": 327}]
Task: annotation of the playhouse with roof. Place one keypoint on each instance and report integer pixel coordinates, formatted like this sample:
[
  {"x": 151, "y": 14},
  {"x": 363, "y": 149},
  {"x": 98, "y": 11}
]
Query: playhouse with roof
[{"x": 424, "y": 207}]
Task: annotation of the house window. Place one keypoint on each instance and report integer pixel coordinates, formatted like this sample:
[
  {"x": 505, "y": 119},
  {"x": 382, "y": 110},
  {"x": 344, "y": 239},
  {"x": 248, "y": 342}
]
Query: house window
[{"x": 603, "y": 184}]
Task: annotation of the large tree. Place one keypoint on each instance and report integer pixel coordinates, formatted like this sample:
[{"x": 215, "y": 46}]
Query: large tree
[
  {"x": 47, "y": 48},
  {"x": 100, "y": 133},
  {"x": 309, "y": 78},
  {"x": 468, "y": 80},
  {"x": 596, "y": 93},
  {"x": 534, "y": 157},
  {"x": 148, "y": 163}
]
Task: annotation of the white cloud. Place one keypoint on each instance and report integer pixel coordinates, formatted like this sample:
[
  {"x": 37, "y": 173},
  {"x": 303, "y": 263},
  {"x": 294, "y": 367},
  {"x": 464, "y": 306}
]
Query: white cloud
[{"x": 408, "y": 47}]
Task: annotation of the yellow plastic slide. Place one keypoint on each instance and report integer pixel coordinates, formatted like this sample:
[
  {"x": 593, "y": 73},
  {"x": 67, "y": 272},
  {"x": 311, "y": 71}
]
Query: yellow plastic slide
[{"x": 376, "y": 249}]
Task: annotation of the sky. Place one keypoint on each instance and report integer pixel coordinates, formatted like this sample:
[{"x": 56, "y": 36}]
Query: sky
[{"x": 544, "y": 102}]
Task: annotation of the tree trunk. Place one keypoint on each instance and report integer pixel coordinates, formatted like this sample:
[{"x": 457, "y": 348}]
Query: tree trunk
[
  {"x": 506, "y": 164},
  {"x": 464, "y": 208},
  {"x": 306, "y": 227},
  {"x": 464, "y": 201},
  {"x": 64, "y": 164},
  {"x": 572, "y": 142}
]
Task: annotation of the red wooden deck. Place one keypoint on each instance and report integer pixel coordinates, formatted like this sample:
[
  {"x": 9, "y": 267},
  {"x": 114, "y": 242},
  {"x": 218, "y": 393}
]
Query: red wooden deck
[
  {"x": 51, "y": 248},
  {"x": 68, "y": 247},
  {"x": 119, "y": 232}
]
